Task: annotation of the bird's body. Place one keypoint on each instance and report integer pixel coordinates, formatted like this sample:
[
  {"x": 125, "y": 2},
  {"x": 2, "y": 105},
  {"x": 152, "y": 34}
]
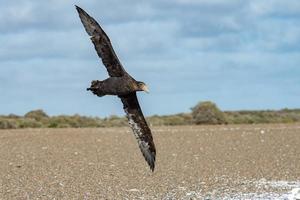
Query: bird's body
[
  {"x": 115, "y": 86},
  {"x": 120, "y": 83}
]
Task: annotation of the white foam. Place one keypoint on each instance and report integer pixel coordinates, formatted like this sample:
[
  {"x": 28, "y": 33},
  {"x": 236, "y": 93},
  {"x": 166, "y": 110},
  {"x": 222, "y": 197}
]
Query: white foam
[
  {"x": 276, "y": 190},
  {"x": 294, "y": 194}
]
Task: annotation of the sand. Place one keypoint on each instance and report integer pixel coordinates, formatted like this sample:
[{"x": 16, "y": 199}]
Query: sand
[{"x": 193, "y": 162}]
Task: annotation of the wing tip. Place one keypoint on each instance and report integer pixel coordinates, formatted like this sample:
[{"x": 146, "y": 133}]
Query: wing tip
[
  {"x": 90, "y": 24},
  {"x": 150, "y": 158},
  {"x": 79, "y": 10},
  {"x": 152, "y": 166},
  {"x": 151, "y": 162}
]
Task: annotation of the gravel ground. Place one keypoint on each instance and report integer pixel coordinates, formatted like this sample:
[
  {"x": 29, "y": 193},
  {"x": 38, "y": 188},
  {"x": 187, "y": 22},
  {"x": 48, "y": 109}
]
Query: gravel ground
[{"x": 193, "y": 162}]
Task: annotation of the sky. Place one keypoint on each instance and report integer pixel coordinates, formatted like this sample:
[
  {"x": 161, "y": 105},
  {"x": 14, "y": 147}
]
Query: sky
[{"x": 240, "y": 54}]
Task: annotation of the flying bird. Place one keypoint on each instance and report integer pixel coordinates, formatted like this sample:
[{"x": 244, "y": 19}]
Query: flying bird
[{"x": 121, "y": 84}]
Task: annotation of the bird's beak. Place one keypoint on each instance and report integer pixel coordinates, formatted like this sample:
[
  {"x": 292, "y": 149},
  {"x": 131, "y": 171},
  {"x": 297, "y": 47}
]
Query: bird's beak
[{"x": 145, "y": 88}]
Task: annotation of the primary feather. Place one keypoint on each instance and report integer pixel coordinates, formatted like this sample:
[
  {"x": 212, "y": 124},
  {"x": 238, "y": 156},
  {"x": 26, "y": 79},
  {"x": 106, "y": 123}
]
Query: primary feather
[{"x": 102, "y": 44}]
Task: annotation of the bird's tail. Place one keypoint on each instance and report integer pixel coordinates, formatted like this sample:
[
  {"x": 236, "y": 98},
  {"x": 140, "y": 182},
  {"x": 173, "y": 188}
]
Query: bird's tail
[{"x": 96, "y": 88}]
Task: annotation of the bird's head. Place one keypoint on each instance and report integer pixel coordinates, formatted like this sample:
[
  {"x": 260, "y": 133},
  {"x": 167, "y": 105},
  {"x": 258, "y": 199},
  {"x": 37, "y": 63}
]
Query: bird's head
[{"x": 142, "y": 86}]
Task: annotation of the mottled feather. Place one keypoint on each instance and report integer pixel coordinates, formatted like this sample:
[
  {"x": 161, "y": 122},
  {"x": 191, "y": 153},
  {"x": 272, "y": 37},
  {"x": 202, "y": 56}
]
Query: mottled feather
[
  {"x": 139, "y": 127},
  {"x": 102, "y": 44}
]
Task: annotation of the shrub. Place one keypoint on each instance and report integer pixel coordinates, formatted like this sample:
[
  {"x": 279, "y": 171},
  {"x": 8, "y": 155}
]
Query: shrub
[
  {"x": 74, "y": 121},
  {"x": 38, "y": 115},
  {"x": 7, "y": 124},
  {"x": 115, "y": 121},
  {"x": 28, "y": 123},
  {"x": 170, "y": 120},
  {"x": 13, "y": 116},
  {"x": 207, "y": 113}
]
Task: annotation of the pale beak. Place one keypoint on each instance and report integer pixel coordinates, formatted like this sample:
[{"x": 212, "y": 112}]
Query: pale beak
[{"x": 145, "y": 88}]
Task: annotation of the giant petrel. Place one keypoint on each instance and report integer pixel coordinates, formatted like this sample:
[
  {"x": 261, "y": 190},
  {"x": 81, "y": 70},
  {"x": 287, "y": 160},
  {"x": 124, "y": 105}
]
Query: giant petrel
[{"x": 121, "y": 84}]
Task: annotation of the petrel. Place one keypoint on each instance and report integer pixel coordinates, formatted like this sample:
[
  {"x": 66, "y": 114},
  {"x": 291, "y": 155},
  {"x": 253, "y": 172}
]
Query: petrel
[{"x": 121, "y": 84}]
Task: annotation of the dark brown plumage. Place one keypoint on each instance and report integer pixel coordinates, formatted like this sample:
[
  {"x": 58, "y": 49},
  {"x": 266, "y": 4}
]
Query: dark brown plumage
[
  {"x": 120, "y": 83},
  {"x": 116, "y": 86}
]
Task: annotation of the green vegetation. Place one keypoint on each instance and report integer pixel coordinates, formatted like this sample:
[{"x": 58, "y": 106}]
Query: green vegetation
[
  {"x": 207, "y": 113},
  {"x": 38, "y": 115},
  {"x": 203, "y": 113},
  {"x": 170, "y": 120},
  {"x": 267, "y": 116}
]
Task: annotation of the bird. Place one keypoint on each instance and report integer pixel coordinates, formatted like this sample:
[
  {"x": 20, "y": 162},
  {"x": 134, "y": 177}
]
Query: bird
[{"x": 120, "y": 84}]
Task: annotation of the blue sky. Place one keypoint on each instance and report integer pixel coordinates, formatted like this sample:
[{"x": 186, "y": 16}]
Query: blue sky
[{"x": 239, "y": 54}]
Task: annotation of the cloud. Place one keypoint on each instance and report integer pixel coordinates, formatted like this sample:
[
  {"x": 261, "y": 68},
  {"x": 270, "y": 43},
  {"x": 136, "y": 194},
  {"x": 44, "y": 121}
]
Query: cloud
[{"x": 240, "y": 54}]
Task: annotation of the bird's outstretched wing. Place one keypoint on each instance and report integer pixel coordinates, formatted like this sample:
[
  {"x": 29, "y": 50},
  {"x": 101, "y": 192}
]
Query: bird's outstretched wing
[
  {"x": 140, "y": 128},
  {"x": 102, "y": 44}
]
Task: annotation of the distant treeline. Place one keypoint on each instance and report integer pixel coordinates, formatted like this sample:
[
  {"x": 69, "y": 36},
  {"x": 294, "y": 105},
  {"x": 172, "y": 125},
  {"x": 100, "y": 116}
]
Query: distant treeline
[{"x": 203, "y": 113}]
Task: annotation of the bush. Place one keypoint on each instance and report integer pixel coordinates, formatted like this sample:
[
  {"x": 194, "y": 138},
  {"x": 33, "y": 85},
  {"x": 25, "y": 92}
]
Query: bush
[
  {"x": 266, "y": 116},
  {"x": 13, "y": 116},
  {"x": 203, "y": 113},
  {"x": 207, "y": 113},
  {"x": 7, "y": 124},
  {"x": 74, "y": 121},
  {"x": 38, "y": 115},
  {"x": 170, "y": 120},
  {"x": 28, "y": 123},
  {"x": 115, "y": 121}
]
